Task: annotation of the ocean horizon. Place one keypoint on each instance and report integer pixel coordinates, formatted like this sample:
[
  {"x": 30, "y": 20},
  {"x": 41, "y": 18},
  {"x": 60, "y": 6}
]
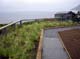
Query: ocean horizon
[{"x": 7, "y": 17}]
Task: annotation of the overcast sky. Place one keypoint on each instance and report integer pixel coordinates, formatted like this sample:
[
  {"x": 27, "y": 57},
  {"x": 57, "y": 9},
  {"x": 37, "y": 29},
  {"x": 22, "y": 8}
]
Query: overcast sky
[{"x": 37, "y": 5}]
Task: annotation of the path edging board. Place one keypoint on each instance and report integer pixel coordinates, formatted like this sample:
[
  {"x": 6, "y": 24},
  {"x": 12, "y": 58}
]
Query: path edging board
[
  {"x": 39, "y": 51},
  {"x": 63, "y": 45}
]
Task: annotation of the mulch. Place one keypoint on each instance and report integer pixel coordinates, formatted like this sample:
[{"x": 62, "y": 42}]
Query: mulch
[{"x": 71, "y": 41}]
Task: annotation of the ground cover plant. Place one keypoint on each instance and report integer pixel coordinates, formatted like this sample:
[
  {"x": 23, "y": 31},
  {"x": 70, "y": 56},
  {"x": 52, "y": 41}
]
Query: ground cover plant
[
  {"x": 1, "y": 25},
  {"x": 23, "y": 42}
]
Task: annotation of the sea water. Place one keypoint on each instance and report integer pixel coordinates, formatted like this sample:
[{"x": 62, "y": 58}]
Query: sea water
[{"x": 7, "y": 17}]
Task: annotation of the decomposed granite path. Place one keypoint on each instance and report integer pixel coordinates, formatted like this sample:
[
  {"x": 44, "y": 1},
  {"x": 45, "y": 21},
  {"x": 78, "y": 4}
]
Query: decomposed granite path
[{"x": 52, "y": 47}]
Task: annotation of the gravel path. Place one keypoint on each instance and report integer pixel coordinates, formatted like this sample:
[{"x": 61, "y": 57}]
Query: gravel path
[{"x": 52, "y": 47}]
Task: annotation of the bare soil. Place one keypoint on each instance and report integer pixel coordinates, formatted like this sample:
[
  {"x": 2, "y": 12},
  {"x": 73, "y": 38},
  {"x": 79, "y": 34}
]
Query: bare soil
[{"x": 71, "y": 40}]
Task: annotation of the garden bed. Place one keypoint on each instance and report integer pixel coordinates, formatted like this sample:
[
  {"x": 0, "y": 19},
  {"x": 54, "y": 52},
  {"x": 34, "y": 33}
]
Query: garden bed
[
  {"x": 23, "y": 42},
  {"x": 71, "y": 41}
]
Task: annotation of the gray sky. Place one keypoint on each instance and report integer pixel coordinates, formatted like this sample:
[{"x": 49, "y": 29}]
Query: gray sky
[{"x": 37, "y": 5}]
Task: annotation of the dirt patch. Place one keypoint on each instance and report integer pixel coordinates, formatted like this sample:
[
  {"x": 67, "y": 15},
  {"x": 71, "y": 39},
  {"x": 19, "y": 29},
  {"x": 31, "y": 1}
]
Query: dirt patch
[{"x": 71, "y": 40}]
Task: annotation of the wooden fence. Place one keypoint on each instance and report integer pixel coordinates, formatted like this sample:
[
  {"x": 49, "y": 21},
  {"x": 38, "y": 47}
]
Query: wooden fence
[{"x": 3, "y": 29}]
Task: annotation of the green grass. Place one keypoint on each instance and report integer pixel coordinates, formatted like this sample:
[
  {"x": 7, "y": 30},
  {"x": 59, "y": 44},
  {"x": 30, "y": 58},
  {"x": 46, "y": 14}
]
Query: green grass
[
  {"x": 20, "y": 44},
  {"x": 1, "y": 25}
]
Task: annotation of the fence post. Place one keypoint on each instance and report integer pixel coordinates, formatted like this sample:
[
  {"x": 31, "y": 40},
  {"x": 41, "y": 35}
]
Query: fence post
[
  {"x": 21, "y": 23},
  {"x": 3, "y": 31}
]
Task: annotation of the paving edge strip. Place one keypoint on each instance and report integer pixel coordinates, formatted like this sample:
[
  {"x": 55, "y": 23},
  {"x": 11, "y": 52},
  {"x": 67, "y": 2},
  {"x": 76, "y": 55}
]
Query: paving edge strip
[
  {"x": 39, "y": 51},
  {"x": 60, "y": 39}
]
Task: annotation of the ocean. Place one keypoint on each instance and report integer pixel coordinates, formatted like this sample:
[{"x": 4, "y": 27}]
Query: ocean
[{"x": 7, "y": 17}]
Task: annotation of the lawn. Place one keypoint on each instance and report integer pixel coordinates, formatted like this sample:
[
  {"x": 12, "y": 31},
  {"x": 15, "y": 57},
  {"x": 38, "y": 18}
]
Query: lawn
[{"x": 22, "y": 43}]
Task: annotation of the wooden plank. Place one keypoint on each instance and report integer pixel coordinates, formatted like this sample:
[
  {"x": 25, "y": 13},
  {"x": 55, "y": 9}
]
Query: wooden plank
[
  {"x": 39, "y": 51},
  {"x": 64, "y": 46}
]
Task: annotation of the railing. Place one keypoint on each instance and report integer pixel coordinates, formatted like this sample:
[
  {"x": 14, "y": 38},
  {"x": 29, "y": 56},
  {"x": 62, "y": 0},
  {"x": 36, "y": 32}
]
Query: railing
[{"x": 3, "y": 29}]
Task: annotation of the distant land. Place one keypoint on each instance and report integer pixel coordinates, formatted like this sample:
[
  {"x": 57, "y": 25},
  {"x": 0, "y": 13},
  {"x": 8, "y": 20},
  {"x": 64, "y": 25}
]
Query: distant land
[{"x": 77, "y": 8}]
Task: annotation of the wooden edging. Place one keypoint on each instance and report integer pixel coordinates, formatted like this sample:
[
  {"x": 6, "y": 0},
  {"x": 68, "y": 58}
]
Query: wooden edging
[
  {"x": 39, "y": 51},
  {"x": 64, "y": 45}
]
